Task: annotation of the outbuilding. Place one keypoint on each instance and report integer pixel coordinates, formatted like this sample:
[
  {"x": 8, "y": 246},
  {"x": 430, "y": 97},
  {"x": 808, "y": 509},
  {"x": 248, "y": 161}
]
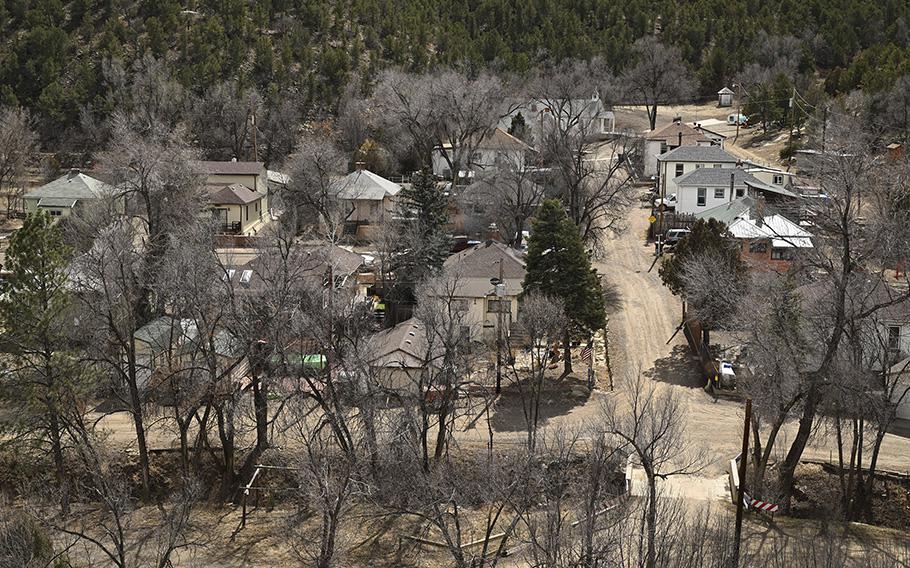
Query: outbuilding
[{"x": 725, "y": 97}]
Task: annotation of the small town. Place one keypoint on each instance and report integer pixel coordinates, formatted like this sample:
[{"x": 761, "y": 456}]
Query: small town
[{"x": 514, "y": 284}]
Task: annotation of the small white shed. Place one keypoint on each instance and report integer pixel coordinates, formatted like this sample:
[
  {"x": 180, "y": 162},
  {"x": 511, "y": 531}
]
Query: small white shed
[{"x": 725, "y": 97}]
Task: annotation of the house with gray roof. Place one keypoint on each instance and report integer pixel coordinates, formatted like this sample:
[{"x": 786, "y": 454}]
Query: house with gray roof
[
  {"x": 369, "y": 199},
  {"x": 239, "y": 196},
  {"x": 477, "y": 295},
  {"x": 685, "y": 159},
  {"x": 705, "y": 188},
  {"x": 65, "y": 194}
]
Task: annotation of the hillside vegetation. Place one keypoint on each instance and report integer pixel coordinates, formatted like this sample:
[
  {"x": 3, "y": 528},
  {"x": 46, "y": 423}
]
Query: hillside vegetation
[{"x": 62, "y": 60}]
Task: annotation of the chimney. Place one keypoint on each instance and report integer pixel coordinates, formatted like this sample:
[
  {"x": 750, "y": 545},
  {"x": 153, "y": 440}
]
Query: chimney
[
  {"x": 359, "y": 166},
  {"x": 760, "y": 211},
  {"x": 732, "y": 184},
  {"x": 680, "y": 138},
  {"x": 493, "y": 234},
  {"x": 677, "y": 120}
]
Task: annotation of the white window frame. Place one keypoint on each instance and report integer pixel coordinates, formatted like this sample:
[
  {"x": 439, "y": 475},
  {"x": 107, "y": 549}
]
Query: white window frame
[
  {"x": 701, "y": 198},
  {"x": 719, "y": 192}
]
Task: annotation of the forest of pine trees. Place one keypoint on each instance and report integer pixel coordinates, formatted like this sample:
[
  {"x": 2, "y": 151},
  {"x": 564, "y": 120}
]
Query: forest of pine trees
[{"x": 61, "y": 59}]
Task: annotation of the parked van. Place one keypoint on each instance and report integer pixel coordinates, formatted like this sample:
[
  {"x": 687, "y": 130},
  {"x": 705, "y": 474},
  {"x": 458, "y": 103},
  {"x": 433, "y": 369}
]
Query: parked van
[{"x": 733, "y": 118}]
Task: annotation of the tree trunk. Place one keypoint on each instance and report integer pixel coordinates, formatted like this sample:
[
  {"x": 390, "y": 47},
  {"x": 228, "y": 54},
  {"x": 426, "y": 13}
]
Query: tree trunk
[
  {"x": 59, "y": 465},
  {"x": 788, "y": 468},
  {"x": 225, "y": 418},
  {"x": 651, "y": 521},
  {"x": 567, "y": 354},
  {"x": 139, "y": 422},
  {"x": 261, "y": 409}
]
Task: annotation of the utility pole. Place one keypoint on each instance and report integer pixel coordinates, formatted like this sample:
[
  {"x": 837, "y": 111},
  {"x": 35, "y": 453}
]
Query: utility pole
[
  {"x": 790, "y": 134},
  {"x": 741, "y": 493},
  {"x": 500, "y": 294}
]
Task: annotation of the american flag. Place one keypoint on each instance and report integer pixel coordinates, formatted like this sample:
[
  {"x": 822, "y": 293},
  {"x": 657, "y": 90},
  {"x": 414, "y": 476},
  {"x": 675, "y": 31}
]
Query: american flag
[{"x": 586, "y": 353}]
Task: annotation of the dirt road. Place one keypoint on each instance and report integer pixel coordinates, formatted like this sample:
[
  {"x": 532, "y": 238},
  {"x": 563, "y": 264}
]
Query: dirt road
[{"x": 639, "y": 331}]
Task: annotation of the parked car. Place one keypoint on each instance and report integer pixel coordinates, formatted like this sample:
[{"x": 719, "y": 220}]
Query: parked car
[
  {"x": 675, "y": 235},
  {"x": 742, "y": 119},
  {"x": 668, "y": 202}
]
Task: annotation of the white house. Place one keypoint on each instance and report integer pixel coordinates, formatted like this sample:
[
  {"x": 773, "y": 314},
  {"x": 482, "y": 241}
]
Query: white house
[
  {"x": 676, "y": 163},
  {"x": 370, "y": 199},
  {"x": 768, "y": 174},
  {"x": 704, "y": 188},
  {"x": 589, "y": 116},
  {"x": 66, "y": 194},
  {"x": 725, "y": 97},
  {"x": 670, "y": 137},
  {"x": 477, "y": 295},
  {"x": 497, "y": 150}
]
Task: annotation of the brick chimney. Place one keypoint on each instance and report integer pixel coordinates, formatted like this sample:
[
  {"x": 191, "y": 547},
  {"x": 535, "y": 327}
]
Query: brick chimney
[
  {"x": 493, "y": 233},
  {"x": 760, "y": 211}
]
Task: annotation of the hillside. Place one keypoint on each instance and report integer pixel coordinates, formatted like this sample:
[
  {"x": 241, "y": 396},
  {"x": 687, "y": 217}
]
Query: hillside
[{"x": 57, "y": 58}]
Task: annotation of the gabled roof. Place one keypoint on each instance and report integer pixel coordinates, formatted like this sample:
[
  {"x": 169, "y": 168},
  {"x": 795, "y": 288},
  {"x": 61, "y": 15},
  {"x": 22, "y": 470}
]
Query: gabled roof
[
  {"x": 782, "y": 232},
  {"x": 228, "y": 168},
  {"x": 475, "y": 266},
  {"x": 404, "y": 345},
  {"x": 482, "y": 261},
  {"x": 712, "y": 177},
  {"x": 671, "y": 132},
  {"x": 720, "y": 177},
  {"x": 70, "y": 187},
  {"x": 698, "y": 154},
  {"x": 730, "y": 211},
  {"x": 234, "y": 194},
  {"x": 364, "y": 184},
  {"x": 725, "y": 91},
  {"x": 499, "y": 139}
]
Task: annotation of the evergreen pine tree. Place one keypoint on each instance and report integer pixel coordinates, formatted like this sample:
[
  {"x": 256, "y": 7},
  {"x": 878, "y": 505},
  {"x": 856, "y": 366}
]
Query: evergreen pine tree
[
  {"x": 42, "y": 378},
  {"x": 423, "y": 214},
  {"x": 559, "y": 266}
]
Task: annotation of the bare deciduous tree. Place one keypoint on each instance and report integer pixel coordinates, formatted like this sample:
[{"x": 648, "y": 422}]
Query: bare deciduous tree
[
  {"x": 650, "y": 424},
  {"x": 18, "y": 143},
  {"x": 658, "y": 76}
]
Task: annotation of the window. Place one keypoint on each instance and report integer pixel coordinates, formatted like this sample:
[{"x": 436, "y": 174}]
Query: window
[
  {"x": 894, "y": 338},
  {"x": 778, "y": 179},
  {"x": 758, "y": 247},
  {"x": 247, "y": 212},
  {"x": 679, "y": 170},
  {"x": 461, "y": 304},
  {"x": 663, "y": 147},
  {"x": 719, "y": 192},
  {"x": 702, "y": 196},
  {"x": 494, "y": 306},
  {"x": 718, "y": 165},
  {"x": 740, "y": 191},
  {"x": 781, "y": 254},
  {"x": 55, "y": 212}
]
